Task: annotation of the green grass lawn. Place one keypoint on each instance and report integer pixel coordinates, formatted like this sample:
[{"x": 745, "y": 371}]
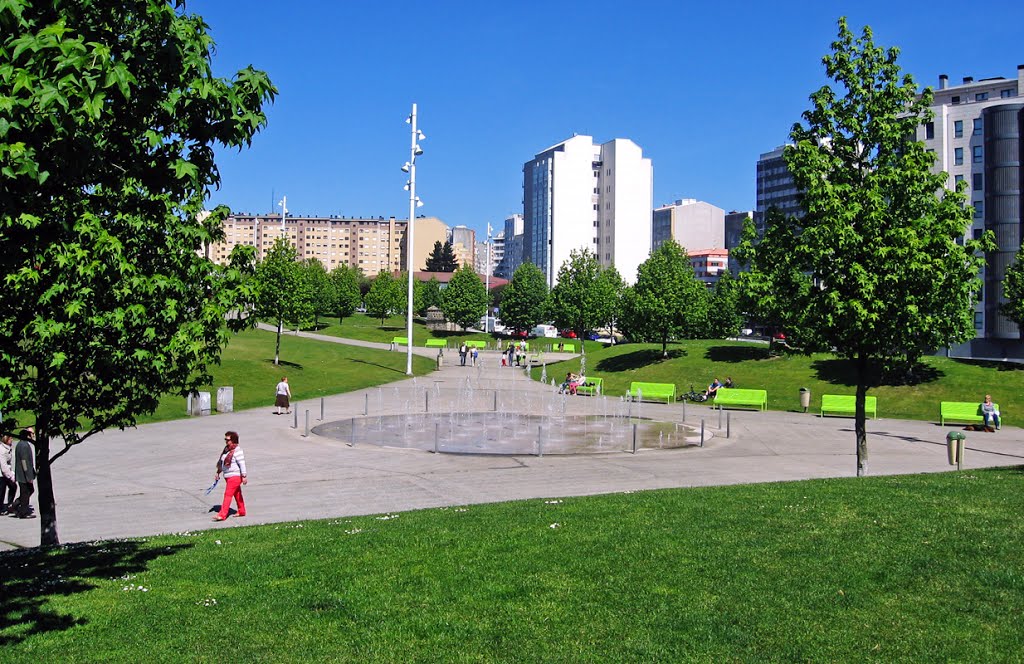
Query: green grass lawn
[
  {"x": 314, "y": 368},
  {"x": 698, "y": 362},
  {"x": 910, "y": 568}
]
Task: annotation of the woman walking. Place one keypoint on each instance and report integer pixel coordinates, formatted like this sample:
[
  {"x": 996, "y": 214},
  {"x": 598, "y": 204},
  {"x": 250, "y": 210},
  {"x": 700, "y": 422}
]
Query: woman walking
[
  {"x": 284, "y": 395},
  {"x": 232, "y": 465}
]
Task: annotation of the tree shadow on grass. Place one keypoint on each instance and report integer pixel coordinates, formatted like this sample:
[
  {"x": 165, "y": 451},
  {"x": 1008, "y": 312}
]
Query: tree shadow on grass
[
  {"x": 637, "y": 359},
  {"x": 839, "y": 371},
  {"x": 284, "y": 363},
  {"x": 30, "y": 577},
  {"x": 380, "y": 366},
  {"x": 990, "y": 364},
  {"x": 736, "y": 353},
  {"x": 444, "y": 334}
]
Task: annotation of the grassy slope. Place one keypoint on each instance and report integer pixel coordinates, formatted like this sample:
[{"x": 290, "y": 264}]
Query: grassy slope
[
  {"x": 697, "y": 362},
  {"x": 913, "y": 568},
  {"x": 314, "y": 368}
]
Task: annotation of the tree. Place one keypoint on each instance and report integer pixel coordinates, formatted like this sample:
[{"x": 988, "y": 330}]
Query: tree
[
  {"x": 1013, "y": 291},
  {"x": 430, "y": 296},
  {"x": 575, "y": 302},
  {"x": 324, "y": 299},
  {"x": 347, "y": 297},
  {"x": 386, "y": 297},
  {"x": 442, "y": 258},
  {"x": 611, "y": 290},
  {"x": 880, "y": 241},
  {"x": 667, "y": 301},
  {"x": 285, "y": 295},
  {"x": 525, "y": 298},
  {"x": 724, "y": 319},
  {"x": 464, "y": 301},
  {"x": 109, "y": 115}
]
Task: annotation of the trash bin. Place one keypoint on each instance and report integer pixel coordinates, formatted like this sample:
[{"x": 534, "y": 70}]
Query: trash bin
[
  {"x": 440, "y": 359},
  {"x": 805, "y": 398},
  {"x": 955, "y": 447}
]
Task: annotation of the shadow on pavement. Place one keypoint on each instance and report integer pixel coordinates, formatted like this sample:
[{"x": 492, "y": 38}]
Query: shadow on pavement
[{"x": 30, "y": 577}]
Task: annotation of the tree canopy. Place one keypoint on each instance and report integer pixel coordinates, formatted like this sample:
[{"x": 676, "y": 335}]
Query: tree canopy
[
  {"x": 575, "y": 302},
  {"x": 464, "y": 301},
  {"x": 109, "y": 116},
  {"x": 887, "y": 269},
  {"x": 442, "y": 258},
  {"x": 386, "y": 298},
  {"x": 524, "y": 299},
  {"x": 1013, "y": 291},
  {"x": 285, "y": 294},
  {"x": 347, "y": 297}
]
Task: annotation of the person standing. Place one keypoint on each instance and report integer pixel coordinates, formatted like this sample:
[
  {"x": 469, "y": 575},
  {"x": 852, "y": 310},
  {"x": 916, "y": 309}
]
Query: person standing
[
  {"x": 990, "y": 412},
  {"x": 462, "y": 353},
  {"x": 24, "y": 474},
  {"x": 232, "y": 465},
  {"x": 475, "y": 354},
  {"x": 9, "y": 486},
  {"x": 284, "y": 396}
]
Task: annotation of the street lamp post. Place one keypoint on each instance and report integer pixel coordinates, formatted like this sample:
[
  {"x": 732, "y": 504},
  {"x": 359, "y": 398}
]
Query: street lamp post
[
  {"x": 414, "y": 202},
  {"x": 487, "y": 284}
]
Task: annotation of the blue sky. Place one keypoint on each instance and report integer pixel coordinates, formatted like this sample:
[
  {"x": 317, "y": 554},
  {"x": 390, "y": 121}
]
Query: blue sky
[{"x": 703, "y": 89}]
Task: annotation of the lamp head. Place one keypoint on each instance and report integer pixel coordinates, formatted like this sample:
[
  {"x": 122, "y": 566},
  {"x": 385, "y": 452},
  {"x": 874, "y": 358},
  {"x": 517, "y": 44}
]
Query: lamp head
[
  {"x": 417, "y": 150},
  {"x": 405, "y": 167}
]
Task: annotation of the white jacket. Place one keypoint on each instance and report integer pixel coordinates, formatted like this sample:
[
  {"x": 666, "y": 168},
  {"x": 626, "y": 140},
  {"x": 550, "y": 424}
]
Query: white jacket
[
  {"x": 6, "y": 453},
  {"x": 237, "y": 466}
]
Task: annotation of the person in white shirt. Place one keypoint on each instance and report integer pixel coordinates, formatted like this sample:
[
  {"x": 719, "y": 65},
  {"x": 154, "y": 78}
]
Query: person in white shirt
[{"x": 284, "y": 395}]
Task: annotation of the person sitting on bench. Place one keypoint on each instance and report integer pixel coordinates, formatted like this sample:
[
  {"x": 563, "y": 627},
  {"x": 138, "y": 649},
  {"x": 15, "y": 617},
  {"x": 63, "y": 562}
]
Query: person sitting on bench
[
  {"x": 989, "y": 412},
  {"x": 712, "y": 390}
]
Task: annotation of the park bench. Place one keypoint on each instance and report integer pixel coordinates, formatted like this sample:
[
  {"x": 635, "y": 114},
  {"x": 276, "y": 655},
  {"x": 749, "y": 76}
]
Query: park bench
[
  {"x": 436, "y": 343},
  {"x": 846, "y": 404},
  {"x": 400, "y": 341},
  {"x": 566, "y": 348},
  {"x": 590, "y": 387},
  {"x": 961, "y": 411},
  {"x": 476, "y": 343},
  {"x": 652, "y": 391},
  {"x": 735, "y": 397}
]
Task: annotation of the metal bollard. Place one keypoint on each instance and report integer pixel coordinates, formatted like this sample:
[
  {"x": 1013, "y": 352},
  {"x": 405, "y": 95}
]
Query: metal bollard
[
  {"x": 353, "y": 443},
  {"x": 719, "y": 419},
  {"x": 366, "y": 404},
  {"x": 321, "y": 409},
  {"x": 426, "y": 402},
  {"x": 495, "y": 401},
  {"x": 437, "y": 434},
  {"x": 634, "y": 439},
  {"x": 540, "y": 440},
  {"x": 728, "y": 425},
  {"x": 295, "y": 419},
  {"x": 684, "y": 410},
  {"x": 702, "y": 432},
  {"x": 306, "y": 435}
]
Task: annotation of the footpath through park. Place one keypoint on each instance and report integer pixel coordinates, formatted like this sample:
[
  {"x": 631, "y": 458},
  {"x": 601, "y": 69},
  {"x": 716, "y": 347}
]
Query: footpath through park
[{"x": 152, "y": 479}]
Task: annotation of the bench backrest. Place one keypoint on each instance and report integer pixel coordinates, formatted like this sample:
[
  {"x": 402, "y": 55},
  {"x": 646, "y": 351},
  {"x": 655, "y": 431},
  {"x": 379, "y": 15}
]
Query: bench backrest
[
  {"x": 962, "y": 408},
  {"x": 436, "y": 343},
  {"x": 652, "y": 388},
  {"x": 400, "y": 341},
  {"x": 567, "y": 348},
  {"x": 846, "y": 402},
  {"x": 476, "y": 343},
  {"x": 741, "y": 395}
]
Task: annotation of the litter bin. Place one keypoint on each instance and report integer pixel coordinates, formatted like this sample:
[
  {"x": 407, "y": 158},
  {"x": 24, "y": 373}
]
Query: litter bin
[
  {"x": 440, "y": 359},
  {"x": 955, "y": 447},
  {"x": 805, "y": 398}
]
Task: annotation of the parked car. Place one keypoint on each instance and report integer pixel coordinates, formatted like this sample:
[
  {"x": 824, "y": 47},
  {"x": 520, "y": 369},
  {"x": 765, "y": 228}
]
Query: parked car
[
  {"x": 549, "y": 331},
  {"x": 567, "y": 334}
]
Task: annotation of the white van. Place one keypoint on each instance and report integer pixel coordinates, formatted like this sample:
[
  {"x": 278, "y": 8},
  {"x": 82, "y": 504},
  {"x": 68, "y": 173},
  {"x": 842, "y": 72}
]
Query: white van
[{"x": 549, "y": 331}]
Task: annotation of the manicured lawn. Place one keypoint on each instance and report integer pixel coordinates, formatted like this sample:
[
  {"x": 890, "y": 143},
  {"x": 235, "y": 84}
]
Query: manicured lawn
[
  {"x": 698, "y": 362},
  {"x": 911, "y": 568},
  {"x": 314, "y": 368}
]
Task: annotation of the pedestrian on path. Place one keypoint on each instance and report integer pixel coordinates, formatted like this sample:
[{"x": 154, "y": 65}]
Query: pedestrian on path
[
  {"x": 24, "y": 474},
  {"x": 476, "y": 354},
  {"x": 232, "y": 465},
  {"x": 463, "y": 351},
  {"x": 284, "y": 395},
  {"x": 9, "y": 486}
]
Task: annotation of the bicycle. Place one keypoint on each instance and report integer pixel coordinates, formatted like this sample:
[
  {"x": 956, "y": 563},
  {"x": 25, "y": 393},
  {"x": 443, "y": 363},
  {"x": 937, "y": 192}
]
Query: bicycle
[{"x": 693, "y": 395}]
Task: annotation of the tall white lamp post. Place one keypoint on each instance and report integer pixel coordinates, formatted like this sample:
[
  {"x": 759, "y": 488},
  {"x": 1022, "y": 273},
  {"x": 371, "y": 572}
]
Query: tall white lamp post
[
  {"x": 284, "y": 212},
  {"x": 487, "y": 285},
  {"x": 414, "y": 202}
]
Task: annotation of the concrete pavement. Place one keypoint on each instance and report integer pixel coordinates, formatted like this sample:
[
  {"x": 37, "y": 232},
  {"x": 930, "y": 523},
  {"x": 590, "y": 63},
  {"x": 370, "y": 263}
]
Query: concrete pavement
[{"x": 152, "y": 479}]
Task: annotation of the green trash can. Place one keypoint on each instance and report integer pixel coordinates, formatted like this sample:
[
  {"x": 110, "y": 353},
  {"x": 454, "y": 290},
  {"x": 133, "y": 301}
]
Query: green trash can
[{"x": 955, "y": 447}]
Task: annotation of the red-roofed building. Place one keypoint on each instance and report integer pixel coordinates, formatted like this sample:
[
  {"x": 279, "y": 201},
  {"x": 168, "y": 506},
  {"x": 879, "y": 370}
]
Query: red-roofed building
[{"x": 708, "y": 264}]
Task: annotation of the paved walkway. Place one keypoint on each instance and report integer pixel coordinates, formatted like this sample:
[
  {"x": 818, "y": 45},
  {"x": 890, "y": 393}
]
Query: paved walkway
[{"x": 152, "y": 479}]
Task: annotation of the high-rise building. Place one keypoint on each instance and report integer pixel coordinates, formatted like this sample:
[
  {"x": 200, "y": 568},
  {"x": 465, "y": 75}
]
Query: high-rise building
[
  {"x": 693, "y": 224},
  {"x": 775, "y": 188},
  {"x": 734, "y": 234},
  {"x": 578, "y": 195},
  {"x": 512, "y": 252},
  {"x": 976, "y": 135},
  {"x": 372, "y": 245},
  {"x": 463, "y": 241}
]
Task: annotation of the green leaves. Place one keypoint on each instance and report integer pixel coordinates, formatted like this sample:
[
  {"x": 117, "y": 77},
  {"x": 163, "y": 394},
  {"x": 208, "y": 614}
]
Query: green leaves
[
  {"x": 464, "y": 301},
  {"x": 524, "y": 300}
]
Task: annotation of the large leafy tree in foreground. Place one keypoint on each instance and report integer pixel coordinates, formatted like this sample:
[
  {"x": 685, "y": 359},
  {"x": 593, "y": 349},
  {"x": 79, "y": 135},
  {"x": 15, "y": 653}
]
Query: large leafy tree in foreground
[
  {"x": 577, "y": 301},
  {"x": 882, "y": 240},
  {"x": 524, "y": 299},
  {"x": 109, "y": 115},
  {"x": 464, "y": 301}
]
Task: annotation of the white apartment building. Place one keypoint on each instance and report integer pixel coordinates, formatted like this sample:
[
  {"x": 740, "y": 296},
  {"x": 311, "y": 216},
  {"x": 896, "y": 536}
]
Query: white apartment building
[
  {"x": 578, "y": 195},
  {"x": 693, "y": 224},
  {"x": 976, "y": 137}
]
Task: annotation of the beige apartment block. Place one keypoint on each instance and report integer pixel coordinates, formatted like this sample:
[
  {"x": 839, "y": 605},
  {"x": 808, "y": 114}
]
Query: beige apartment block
[{"x": 372, "y": 245}]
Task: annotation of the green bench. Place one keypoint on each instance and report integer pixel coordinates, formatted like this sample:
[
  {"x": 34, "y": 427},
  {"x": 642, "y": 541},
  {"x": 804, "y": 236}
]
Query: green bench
[
  {"x": 476, "y": 343},
  {"x": 653, "y": 391},
  {"x": 436, "y": 343},
  {"x": 961, "y": 411},
  {"x": 846, "y": 404},
  {"x": 400, "y": 341},
  {"x": 591, "y": 387},
  {"x": 737, "y": 397},
  {"x": 566, "y": 348}
]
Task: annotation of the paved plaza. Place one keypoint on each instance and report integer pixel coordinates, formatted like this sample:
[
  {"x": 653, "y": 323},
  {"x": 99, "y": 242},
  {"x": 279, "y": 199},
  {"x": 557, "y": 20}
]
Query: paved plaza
[{"x": 152, "y": 479}]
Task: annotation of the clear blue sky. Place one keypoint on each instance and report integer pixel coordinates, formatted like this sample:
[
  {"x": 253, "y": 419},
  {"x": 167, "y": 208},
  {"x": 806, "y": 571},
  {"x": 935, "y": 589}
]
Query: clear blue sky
[{"x": 703, "y": 88}]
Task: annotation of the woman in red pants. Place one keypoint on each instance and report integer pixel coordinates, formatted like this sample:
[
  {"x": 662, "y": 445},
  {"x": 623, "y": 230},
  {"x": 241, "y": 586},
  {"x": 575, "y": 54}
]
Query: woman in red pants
[{"x": 232, "y": 465}]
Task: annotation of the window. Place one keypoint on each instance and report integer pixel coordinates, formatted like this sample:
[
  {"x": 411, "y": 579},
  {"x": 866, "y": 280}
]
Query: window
[
  {"x": 929, "y": 130},
  {"x": 958, "y": 156},
  {"x": 955, "y": 99},
  {"x": 978, "y": 181},
  {"x": 978, "y": 321},
  {"x": 979, "y": 209},
  {"x": 958, "y": 129},
  {"x": 976, "y": 233},
  {"x": 976, "y": 155},
  {"x": 957, "y": 179},
  {"x": 1006, "y": 94},
  {"x": 977, "y": 127},
  {"x": 981, "y": 96}
]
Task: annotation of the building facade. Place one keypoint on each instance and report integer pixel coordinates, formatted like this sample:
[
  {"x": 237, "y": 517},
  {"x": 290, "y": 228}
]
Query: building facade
[
  {"x": 372, "y": 245},
  {"x": 734, "y": 235},
  {"x": 708, "y": 264},
  {"x": 512, "y": 249},
  {"x": 693, "y": 224},
  {"x": 578, "y": 195},
  {"x": 976, "y": 137},
  {"x": 463, "y": 241},
  {"x": 775, "y": 188}
]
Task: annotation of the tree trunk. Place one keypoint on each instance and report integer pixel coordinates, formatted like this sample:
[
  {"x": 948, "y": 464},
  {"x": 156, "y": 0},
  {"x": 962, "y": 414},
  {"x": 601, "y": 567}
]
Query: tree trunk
[
  {"x": 44, "y": 494},
  {"x": 277, "y": 347},
  {"x": 860, "y": 420}
]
